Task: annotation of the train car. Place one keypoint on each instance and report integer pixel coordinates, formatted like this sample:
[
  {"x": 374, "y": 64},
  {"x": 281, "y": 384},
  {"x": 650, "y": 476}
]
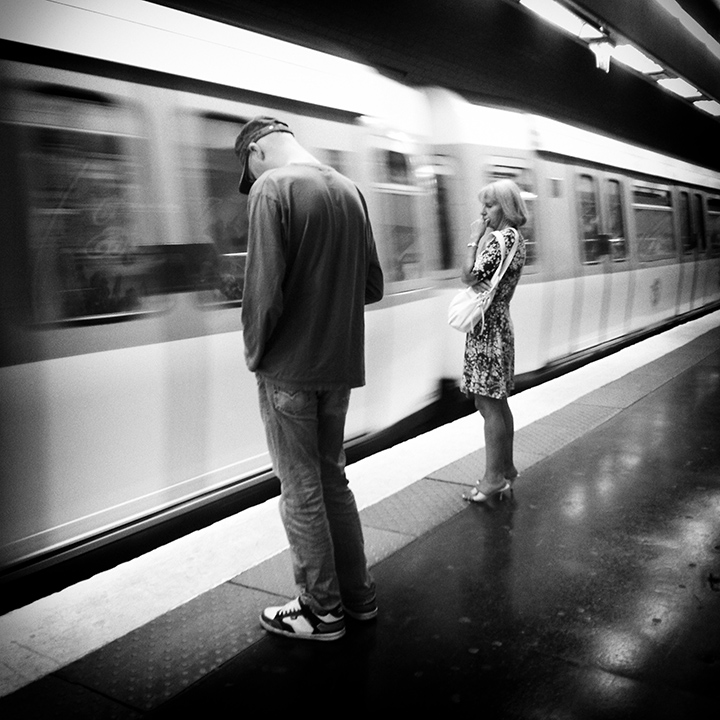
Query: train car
[
  {"x": 621, "y": 239},
  {"x": 123, "y": 390},
  {"x": 124, "y": 398}
]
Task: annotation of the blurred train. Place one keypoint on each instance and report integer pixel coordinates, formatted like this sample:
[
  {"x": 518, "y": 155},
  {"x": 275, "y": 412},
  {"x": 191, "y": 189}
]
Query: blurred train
[{"x": 124, "y": 397}]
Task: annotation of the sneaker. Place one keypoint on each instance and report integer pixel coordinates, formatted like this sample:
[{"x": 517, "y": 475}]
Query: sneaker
[
  {"x": 297, "y": 620},
  {"x": 365, "y": 611}
]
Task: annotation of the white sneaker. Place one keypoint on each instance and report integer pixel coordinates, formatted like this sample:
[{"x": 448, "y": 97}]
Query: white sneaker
[{"x": 297, "y": 620}]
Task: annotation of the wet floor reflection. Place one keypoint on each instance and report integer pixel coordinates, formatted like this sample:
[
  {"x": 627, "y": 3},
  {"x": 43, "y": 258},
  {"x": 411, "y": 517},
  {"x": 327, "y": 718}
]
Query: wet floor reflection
[{"x": 588, "y": 594}]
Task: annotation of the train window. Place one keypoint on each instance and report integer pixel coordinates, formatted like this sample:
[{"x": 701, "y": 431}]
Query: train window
[
  {"x": 397, "y": 168},
  {"x": 594, "y": 249},
  {"x": 443, "y": 174},
  {"x": 90, "y": 251},
  {"x": 222, "y": 209},
  {"x": 399, "y": 232},
  {"x": 652, "y": 206},
  {"x": 688, "y": 240},
  {"x": 699, "y": 222},
  {"x": 615, "y": 227},
  {"x": 713, "y": 214},
  {"x": 406, "y": 258},
  {"x": 336, "y": 159},
  {"x": 524, "y": 179}
]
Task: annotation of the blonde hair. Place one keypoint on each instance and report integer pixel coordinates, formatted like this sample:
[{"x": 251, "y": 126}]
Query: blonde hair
[{"x": 508, "y": 196}]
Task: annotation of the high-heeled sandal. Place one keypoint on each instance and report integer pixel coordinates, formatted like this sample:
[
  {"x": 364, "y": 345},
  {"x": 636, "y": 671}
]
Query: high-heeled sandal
[
  {"x": 478, "y": 496},
  {"x": 511, "y": 480}
]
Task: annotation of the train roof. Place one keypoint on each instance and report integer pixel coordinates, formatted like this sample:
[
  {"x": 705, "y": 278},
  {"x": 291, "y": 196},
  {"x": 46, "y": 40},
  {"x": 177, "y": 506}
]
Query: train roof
[
  {"x": 459, "y": 121},
  {"x": 148, "y": 36},
  {"x": 552, "y": 136},
  {"x": 151, "y": 37}
]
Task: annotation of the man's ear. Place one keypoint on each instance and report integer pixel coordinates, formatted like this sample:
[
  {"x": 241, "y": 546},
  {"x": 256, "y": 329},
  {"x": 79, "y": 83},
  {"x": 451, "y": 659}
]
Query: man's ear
[{"x": 254, "y": 147}]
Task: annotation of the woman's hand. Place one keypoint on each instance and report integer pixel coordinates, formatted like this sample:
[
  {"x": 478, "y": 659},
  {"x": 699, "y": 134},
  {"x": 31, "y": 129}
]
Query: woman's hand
[{"x": 477, "y": 230}]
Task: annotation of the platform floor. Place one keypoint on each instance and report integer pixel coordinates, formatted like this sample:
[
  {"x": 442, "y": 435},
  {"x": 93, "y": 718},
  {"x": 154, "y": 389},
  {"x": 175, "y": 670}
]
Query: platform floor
[{"x": 593, "y": 593}]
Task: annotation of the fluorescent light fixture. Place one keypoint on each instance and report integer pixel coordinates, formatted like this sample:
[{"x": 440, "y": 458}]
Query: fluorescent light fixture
[
  {"x": 603, "y": 51},
  {"x": 709, "y": 106},
  {"x": 563, "y": 18},
  {"x": 679, "y": 87},
  {"x": 632, "y": 57}
]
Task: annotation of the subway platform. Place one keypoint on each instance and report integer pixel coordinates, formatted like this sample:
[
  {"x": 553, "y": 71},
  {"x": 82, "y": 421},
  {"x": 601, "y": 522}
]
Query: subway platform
[{"x": 592, "y": 592}]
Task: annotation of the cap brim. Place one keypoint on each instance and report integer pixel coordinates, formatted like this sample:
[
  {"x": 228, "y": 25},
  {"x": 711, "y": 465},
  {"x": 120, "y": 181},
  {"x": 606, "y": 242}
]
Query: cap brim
[{"x": 245, "y": 181}]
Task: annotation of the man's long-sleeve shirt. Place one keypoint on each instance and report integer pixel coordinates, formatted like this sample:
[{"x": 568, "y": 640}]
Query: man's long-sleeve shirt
[{"x": 312, "y": 266}]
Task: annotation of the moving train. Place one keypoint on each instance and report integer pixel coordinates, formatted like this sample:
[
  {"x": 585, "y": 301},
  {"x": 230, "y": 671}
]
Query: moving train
[{"x": 124, "y": 397}]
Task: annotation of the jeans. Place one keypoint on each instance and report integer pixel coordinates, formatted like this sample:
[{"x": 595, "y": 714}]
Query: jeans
[{"x": 305, "y": 430}]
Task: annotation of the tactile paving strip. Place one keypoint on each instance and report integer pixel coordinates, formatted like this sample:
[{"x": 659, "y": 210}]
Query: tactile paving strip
[
  {"x": 275, "y": 575},
  {"x": 415, "y": 509},
  {"x": 469, "y": 469},
  {"x": 626, "y": 391},
  {"x": 533, "y": 443},
  {"x": 634, "y": 386},
  {"x": 157, "y": 661},
  {"x": 54, "y": 699}
]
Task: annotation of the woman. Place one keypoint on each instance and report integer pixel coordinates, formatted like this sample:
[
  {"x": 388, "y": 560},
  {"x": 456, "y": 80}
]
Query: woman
[{"x": 489, "y": 365}]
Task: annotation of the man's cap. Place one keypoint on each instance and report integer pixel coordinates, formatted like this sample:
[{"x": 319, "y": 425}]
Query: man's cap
[{"x": 255, "y": 129}]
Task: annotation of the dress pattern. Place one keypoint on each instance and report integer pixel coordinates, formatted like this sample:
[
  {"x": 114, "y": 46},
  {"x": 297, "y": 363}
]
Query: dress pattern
[{"x": 489, "y": 363}]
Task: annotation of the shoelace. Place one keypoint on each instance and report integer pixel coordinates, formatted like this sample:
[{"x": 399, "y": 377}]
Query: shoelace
[{"x": 293, "y": 610}]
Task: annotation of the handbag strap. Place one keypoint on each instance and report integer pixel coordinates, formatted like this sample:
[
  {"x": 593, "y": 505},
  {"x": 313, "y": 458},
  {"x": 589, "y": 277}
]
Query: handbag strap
[{"x": 505, "y": 260}]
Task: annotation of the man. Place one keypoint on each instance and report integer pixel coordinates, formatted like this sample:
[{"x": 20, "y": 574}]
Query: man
[{"x": 312, "y": 265}]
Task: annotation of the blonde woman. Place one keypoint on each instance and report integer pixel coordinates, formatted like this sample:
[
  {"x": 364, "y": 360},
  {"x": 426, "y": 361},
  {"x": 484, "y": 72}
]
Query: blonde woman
[{"x": 489, "y": 363}]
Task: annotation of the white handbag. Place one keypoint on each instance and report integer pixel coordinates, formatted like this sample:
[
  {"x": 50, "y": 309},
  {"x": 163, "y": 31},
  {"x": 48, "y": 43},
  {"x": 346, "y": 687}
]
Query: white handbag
[{"x": 468, "y": 307}]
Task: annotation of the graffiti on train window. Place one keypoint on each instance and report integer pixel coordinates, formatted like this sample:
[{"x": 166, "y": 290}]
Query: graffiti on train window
[
  {"x": 525, "y": 180},
  {"x": 223, "y": 210},
  {"x": 713, "y": 224},
  {"x": 90, "y": 250},
  {"x": 652, "y": 206}
]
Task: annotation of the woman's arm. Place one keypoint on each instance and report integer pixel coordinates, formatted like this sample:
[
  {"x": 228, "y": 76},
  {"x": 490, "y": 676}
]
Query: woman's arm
[{"x": 477, "y": 232}]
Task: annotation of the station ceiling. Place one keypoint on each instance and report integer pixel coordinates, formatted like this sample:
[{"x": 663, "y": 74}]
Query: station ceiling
[{"x": 495, "y": 51}]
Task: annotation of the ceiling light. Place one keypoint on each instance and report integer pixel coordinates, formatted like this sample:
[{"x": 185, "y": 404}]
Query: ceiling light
[
  {"x": 679, "y": 87},
  {"x": 562, "y": 17},
  {"x": 632, "y": 57},
  {"x": 603, "y": 51},
  {"x": 709, "y": 106}
]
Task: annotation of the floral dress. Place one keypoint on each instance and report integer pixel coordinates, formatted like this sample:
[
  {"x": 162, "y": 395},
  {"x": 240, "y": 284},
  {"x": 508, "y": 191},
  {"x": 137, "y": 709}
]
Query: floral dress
[{"x": 489, "y": 364}]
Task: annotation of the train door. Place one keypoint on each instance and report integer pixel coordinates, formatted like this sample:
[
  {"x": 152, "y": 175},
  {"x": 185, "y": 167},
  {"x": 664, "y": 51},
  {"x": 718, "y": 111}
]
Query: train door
[
  {"x": 82, "y": 396},
  {"x": 699, "y": 239},
  {"x": 699, "y": 234},
  {"x": 603, "y": 288},
  {"x": 403, "y": 208},
  {"x": 222, "y": 439},
  {"x": 557, "y": 259},
  {"x": 713, "y": 234},
  {"x": 689, "y": 240},
  {"x": 528, "y": 299},
  {"x": 658, "y": 276}
]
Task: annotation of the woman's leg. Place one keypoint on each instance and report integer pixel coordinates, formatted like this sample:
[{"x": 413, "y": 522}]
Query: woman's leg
[
  {"x": 509, "y": 469},
  {"x": 496, "y": 441}
]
